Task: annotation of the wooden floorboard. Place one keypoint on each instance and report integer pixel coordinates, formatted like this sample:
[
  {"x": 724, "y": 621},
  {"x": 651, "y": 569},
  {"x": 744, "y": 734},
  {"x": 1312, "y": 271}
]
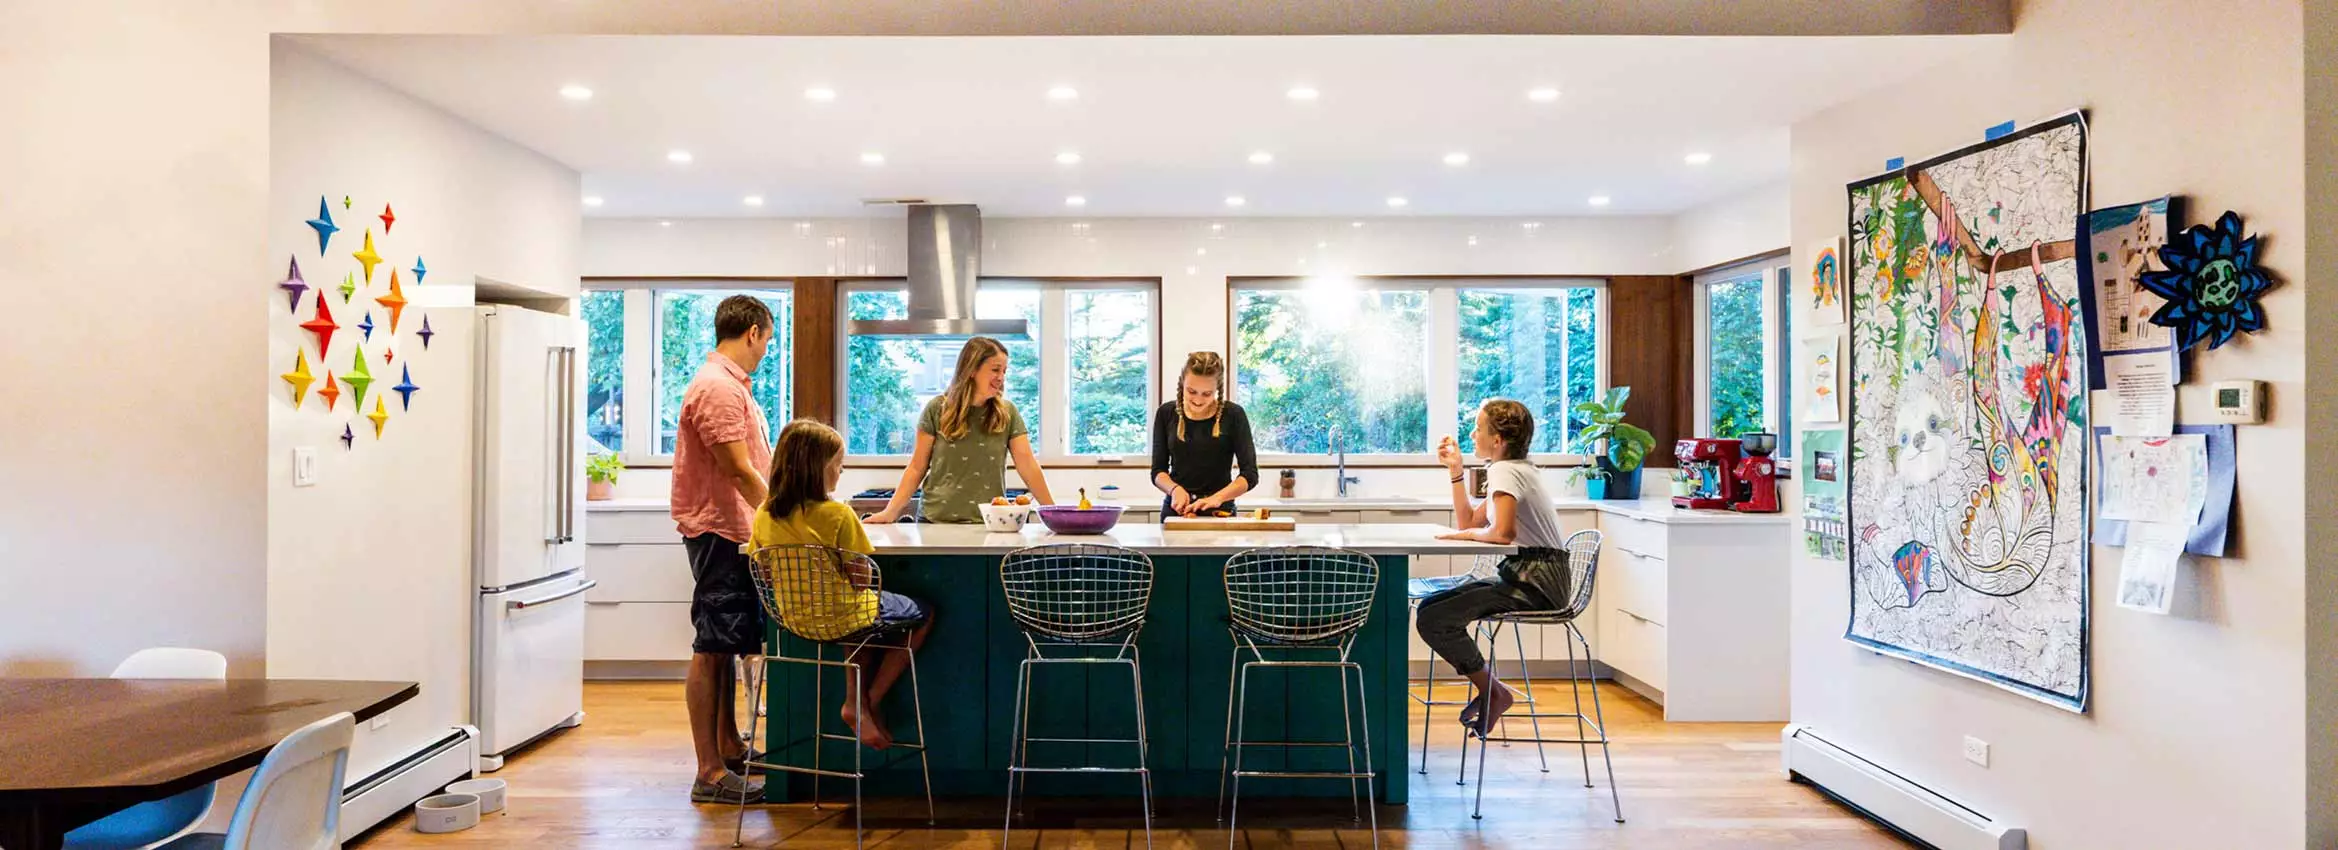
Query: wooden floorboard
[{"x": 622, "y": 781}]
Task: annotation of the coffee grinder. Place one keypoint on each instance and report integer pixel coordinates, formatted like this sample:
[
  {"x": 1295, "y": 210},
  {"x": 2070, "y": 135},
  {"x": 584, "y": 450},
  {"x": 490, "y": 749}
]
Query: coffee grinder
[
  {"x": 1759, "y": 474},
  {"x": 1714, "y": 463}
]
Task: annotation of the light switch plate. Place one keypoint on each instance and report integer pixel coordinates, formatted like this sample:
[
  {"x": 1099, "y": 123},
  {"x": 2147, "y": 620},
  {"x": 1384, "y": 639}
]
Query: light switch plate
[
  {"x": 304, "y": 466},
  {"x": 1976, "y": 751}
]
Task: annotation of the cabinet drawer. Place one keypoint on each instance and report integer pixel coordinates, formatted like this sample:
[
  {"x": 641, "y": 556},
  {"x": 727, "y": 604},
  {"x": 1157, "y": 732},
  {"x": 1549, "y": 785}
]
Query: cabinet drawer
[
  {"x": 1411, "y": 516},
  {"x": 1645, "y": 536},
  {"x": 637, "y": 631},
  {"x": 638, "y": 572},
  {"x": 1636, "y": 646},
  {"x": 630, "y": 527},
  {"x": 1320, "y": 517},
  {"x": 1635, "y": 582}
]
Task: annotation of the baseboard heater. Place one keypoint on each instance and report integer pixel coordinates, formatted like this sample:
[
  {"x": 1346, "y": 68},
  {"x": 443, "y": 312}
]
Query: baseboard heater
[
  {"x": 392, "y": 789},
  {"x": 1914, "y": 811}
]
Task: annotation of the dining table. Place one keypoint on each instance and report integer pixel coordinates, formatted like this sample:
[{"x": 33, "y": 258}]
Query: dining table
[{"x": 75, "y": 750}]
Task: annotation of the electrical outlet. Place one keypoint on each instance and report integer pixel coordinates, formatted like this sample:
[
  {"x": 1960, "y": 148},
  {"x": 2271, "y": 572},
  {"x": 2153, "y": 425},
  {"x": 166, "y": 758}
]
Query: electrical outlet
[
  {"x": 381, "y": 720},
  {"x": 304, "y": 466},
  {"x": 1976, "y": 751}
]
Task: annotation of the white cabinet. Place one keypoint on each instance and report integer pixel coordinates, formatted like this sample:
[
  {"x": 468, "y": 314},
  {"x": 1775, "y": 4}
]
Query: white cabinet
[
  {"x": 637, "y": 631},
  {"x": 641, "y": 610},
  {"x": 1701, "y": 598}
]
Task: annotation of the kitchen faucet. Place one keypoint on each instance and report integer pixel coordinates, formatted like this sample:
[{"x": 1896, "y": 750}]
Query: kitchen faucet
[{"x": 1340, "y": 456}]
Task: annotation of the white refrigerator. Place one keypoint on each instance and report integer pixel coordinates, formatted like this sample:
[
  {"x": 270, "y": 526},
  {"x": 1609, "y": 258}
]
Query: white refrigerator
[{"x": 528, "y": 548}]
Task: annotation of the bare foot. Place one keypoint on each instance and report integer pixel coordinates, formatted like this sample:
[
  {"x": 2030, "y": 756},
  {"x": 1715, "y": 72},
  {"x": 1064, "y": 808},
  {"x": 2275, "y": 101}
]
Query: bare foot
[
  {"x": 872, "y": 732},
  {"x": 1497, "y": 702}
]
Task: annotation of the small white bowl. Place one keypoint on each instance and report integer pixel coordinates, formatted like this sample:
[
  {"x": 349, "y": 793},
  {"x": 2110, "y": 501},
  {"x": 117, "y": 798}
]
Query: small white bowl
[
  {"x": 489, "y": 792},
  {"x": 1006, "y": 519},
  {"x": 446, "y": 813}
]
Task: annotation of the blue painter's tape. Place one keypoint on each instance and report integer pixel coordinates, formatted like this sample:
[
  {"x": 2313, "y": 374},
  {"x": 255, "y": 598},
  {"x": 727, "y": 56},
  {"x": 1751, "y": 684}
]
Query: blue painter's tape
[
  {"x": 1998, "y": 132},
  {"x": 1895, "y": 163}
]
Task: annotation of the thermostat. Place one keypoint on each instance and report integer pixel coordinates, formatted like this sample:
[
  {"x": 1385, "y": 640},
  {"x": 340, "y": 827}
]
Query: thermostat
[{"x": 2240, "y": 402}]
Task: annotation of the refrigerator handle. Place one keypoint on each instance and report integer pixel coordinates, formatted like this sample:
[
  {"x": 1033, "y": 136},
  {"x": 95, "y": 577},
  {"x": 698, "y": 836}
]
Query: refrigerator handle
[
  {"x": 556, "y": 519},
  {"x": 568, "y": 431}
]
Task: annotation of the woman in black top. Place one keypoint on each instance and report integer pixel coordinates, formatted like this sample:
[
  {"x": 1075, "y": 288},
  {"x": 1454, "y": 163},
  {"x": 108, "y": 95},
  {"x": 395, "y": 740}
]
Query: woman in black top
[{"x": 1198, "y": 439}]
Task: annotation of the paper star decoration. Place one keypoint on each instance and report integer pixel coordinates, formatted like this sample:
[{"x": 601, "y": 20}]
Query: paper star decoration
[
  {"x": 299, "y": 378},
  {"x": 419, "y": 270},
  {"x": 367, "y": 256},
  {"x": 380, "y": 417},
  {"x": 323, "y": 225},
  {"x": 329, "y": 391},
  {"x": 389, "y": 356},
  {"x": 323, "y": 326},
  {"x": 348, "y": 286},
  {"x": 405, "y": 388},
  {"x": 426, "y": 331},
  {"x": 388, "y": 218},
  {"x": 344, "y": 201},
  {"x": 293, "y": 285},
  {"x": 395, "y": 301},
  {"x": 367, "y": 326},
  {"x": 348, "y": 437},
  {"x": 358, "y": 378}
]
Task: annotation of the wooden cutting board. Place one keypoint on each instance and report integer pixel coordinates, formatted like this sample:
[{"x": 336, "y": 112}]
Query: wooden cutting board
[{"x": 1232, "y": 523}]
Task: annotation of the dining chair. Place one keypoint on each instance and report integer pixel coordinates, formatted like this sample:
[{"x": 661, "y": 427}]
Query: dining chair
[
  {"x": 156, "y": 822},
  {"x": 294, "y": 799}
]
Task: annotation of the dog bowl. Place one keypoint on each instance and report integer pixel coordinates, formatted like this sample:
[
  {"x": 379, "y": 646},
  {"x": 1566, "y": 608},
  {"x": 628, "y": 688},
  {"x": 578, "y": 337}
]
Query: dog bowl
[
  {"x": 1006, "y": 519},
  {"x": 446, "y": 813},
  {"x": 1063, "y": 519},
  {"x": 489, "y": 792}
]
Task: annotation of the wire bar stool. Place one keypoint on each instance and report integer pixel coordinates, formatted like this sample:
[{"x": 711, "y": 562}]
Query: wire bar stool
[
  {"x": 1297, "y": 607},
  {"x": 1582, "y": 568},
  {"x": 803, "y": 589},
  {"x": 1419, "y": 590},
  {"x": 1077, "y": 604}
]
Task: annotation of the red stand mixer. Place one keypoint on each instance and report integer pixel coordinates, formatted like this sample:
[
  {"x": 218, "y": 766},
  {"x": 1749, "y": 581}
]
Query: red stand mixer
[{"x": 1759, "y": 475}]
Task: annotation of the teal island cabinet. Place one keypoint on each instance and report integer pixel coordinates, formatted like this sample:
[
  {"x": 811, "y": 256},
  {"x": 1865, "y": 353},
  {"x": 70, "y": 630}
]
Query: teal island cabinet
[{"x": 967, "y": 674}]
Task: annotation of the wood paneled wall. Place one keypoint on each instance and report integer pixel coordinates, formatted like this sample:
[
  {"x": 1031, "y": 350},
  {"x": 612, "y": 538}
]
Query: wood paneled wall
[
  {"x": 815, "y": 351},
  {"x": 1649, "y": 348}
]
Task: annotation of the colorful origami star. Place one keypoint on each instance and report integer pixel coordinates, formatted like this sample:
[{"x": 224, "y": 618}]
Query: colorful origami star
[
  {"x": 323, "y": 326},
  {"x": 348, "y": 437},
  {"x": 368, "y": 257},
  {"x": 406, "y": 388},
  {"x": 367, "y": 326},
  {"x": 388, "y": 218},
  {"x": 323, "y": 225},
  {"x": 358, "y": 378},
  {"x": 389, "y": 357},
  {"x": 380, "y": 417},
  {"x": 348, "y": 286},
  {"x": 293, "y": 285},
  {"x": 299, "y": 378},
  {"x": 344, "y": 201},
  {"x": 329, "y": 391},
  {"x": 395, "y": 301},
  {"x": 419, "y": 270},
  {"x": 426, "y": 331}
]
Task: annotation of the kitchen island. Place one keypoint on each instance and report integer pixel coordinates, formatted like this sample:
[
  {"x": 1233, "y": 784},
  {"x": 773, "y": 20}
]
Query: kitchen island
[{"x": 969, "y": 663}]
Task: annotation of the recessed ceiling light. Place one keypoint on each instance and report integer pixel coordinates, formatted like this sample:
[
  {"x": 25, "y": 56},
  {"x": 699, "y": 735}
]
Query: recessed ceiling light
[
  {"x": 820, "y": 94},
  {"x": 1397, "y": 201},
  {"x": 665, "y": 224},
  {"x": 1698, "y": 158},
  {"x": 577, "y": 93},
  {"x": 592, "y": 200},
  {"x": 752, "y": 200},
  {"x": 680, "y": 156},
  {"x": 1302, "y": 93},
  {"x": 1261, "y": 158},
  {"x": 1063, "y": 93},
  {"x": 1067, "y": 158},
  {"x": 1075, "y": 201},
  {"x": 1542, "y": 95},
  {"x": 1355, "y": 224},
  {"x": 1599, "y": 200},
  {"x": 1193, "y": 270},
  {"x": 1201, "y": 252},
  {"x": 1457, "y": 158},
  {"x": 872, "y": 158},
  {"x": 1215, "y": 227},
  {"x": 1473, "y": 241},
  {"x": 1235, "y": 200}
]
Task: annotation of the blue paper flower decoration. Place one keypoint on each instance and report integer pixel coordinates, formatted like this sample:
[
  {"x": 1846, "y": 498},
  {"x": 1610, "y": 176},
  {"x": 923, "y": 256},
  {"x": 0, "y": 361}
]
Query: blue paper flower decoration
[{"x": 2212, "y": 284}]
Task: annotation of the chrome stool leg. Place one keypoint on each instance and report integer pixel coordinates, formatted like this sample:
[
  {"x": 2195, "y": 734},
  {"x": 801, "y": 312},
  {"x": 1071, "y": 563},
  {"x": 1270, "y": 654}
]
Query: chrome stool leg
[
  {"x": 1364, "y": 719},
  {"x": 755, "y": 720},
  {"x": 1428, "y": 703},
  {"x": 1613, "y": 795},
  {"x": 1533, "y": 714},
  {"x": 925, "y": 762},
  {"x": 1241, "y": 725},
  {"x": 1575, "y": 680},
  {"x": 1493, "y": 648}
]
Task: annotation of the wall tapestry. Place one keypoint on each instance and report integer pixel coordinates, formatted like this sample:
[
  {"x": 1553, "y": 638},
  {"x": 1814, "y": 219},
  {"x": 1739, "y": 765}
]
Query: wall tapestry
[{"x": 1969, "y": 413}]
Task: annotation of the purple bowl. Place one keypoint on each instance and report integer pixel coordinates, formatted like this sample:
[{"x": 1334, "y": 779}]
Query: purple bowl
[{"x": 1063, "y": 519}]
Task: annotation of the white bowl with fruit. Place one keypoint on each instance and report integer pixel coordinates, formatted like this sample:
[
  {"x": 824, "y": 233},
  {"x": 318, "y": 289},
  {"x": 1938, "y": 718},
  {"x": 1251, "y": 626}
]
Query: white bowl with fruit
[{"x": 1007, "y": 516}]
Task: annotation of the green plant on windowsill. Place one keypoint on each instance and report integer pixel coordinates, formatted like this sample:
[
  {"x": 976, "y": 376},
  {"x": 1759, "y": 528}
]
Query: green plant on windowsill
[
  {"x": 1618, "y": 448},
  {"x": 601, "y": 475}
]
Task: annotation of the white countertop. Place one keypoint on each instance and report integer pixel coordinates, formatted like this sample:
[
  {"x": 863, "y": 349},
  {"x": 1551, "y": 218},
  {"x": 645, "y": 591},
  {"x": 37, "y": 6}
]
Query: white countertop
[
  {"x": 1656, "y": 509},
  {"x": 1378, "y": 539}
]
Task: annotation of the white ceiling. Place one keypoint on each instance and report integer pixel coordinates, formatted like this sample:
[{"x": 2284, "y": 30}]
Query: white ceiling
[{"x": 1163, "y": 126}]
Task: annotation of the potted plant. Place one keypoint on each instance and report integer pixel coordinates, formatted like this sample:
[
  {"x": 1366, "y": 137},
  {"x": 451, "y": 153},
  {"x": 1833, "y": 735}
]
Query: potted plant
[
  {"x": 601, "y": 475},
  {"x": 1617, "y": 447},
  {"x": 1684, "y": 483}
]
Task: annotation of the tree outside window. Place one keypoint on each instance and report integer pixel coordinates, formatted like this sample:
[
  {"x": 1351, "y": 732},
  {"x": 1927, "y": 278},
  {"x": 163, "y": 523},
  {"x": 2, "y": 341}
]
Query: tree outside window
[
  {"x": 1539, "y": 347},
  {"x": 890, "y": 380},
  {"x": 685, "y": 331},
  {"x": 1329, "y": 356},
  {"x": 1108, "y": 341},
  {"x": 604, "y": 314},
  {"x": 1737, "y": 350}
]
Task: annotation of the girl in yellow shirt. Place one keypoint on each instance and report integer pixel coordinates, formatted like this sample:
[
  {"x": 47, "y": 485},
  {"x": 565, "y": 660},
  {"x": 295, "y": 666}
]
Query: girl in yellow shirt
[{"x": 805, "y": 466}]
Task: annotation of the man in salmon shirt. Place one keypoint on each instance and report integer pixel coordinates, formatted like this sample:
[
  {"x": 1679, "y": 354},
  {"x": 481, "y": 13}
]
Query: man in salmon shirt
[{"x": 722, "y": 446}]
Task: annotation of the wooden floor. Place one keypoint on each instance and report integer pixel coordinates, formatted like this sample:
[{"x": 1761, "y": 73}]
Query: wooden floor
[{"x": 622, "y": 781}]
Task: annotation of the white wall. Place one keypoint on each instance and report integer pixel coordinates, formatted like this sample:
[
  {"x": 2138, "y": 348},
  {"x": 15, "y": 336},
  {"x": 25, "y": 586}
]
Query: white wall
[
  {"x": 1743, "y": 225},
  {"x": 2197, "y": 733},
  {"x": 369, "y": 571}
]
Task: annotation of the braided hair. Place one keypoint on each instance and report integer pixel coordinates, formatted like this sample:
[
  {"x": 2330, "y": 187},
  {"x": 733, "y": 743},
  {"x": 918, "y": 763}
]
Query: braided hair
[{"x": 1203, "y": 364}]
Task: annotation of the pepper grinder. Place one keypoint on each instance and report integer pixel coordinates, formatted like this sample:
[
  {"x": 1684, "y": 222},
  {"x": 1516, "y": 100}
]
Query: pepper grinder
[{"x": 1290, "y": 478}]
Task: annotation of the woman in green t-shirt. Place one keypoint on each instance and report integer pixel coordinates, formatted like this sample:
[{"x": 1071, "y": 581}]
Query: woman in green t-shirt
[{"x": 964, "y": 439}]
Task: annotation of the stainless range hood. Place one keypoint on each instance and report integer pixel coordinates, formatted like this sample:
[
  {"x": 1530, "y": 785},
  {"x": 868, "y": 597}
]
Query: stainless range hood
[{"x": 945, "y": 265}]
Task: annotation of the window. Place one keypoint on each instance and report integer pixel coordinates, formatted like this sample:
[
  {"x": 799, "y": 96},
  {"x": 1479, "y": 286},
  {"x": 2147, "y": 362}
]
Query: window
[
  {"x": 1536, "y": 346},
  {"x": 1743, "y": 327},
  {"x": 1396, "y": 364},
  {"x": 658, "y": 338},
  {"x": 1085, "y": 375}
]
